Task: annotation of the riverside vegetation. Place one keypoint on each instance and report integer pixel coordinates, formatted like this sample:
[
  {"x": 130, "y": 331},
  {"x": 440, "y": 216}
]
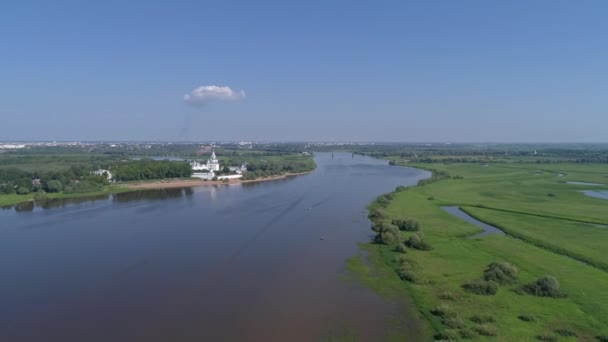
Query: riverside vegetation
[
  {"x": 546, "y": 279},
  {"x": 61, "y": 172}
]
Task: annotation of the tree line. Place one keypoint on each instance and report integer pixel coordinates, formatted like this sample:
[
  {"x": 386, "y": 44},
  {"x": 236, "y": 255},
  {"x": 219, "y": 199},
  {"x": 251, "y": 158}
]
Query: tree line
[{"x": 79, "y": 178}]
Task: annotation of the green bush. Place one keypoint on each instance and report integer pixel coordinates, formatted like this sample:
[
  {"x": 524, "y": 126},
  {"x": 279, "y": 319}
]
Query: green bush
[
  {"x": 448, "y": 295},
  {"x": 546, "y": 286},
  {"x": 549, "y": 338},
  {"x": 527, "y": 318},
  {"x": 483, "y": 319},
  {"x": 453, "y": 322},
  {"x": 481, "y": 287},
  {"x": 565, "y": 332},
  {"x": 445, "y": 336},
  {"x": 444, "y": 311},
  {"x": 54, "y": 186},
  {"x": 23, "y": 190},
  {"x": 467, "y": 334},
  {"x": 417, "y": 241},
  {"x": 401, "y": 248},
  {"x": 407, "y": 271},
  {"x": 501, "y": 272},
  {"x": 407, "y": 225},
  {"x": 387, "y": 233},
  {"x": 603, "y": 338},
  {"x": 486, "y": 330}
]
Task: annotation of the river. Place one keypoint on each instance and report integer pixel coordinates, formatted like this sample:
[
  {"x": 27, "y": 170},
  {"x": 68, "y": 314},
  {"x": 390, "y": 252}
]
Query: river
[{"x": 248, "y": 262}]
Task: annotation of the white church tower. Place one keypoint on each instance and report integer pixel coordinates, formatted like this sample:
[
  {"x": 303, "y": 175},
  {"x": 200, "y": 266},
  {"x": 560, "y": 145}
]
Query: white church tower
[{"x": 213, "y": 164}]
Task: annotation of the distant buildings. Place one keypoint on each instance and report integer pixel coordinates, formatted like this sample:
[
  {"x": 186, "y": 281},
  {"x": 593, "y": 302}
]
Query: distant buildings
[
  {"x": 103, "y": 172},
  {"x": 238, "y": 169},
  {"x": 207, "y": 171},
  {"x": 212, "y": 164},
  {"x": 11, "y": 146}
]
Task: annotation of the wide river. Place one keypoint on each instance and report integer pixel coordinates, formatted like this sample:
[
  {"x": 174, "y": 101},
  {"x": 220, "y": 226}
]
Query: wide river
[{"x": 249, "y": 262}]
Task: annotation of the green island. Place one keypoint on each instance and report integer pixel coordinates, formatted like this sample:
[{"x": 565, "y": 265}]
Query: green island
[
  {"x": 545, "y": 279},
  {"x": 42, "y": 172}
]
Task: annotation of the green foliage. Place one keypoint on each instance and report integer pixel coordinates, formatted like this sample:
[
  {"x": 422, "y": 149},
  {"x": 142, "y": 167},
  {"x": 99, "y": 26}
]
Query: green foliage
[
  {"x": 453, "y": 322},
  {"x": 527, "y": 318},
  {"x": 447, "y": 295},
  {"x": 548, "y": 338},
  {"x": 467, "y": 333},
  {"x": 150, "y": 169},
  {"x": 481, "y": 287},
  {"x": 23, "y": 190},
  {"x": 445, "y": 336},
  {"x": 485, "y": 330},
  {"x": 417, "y": 241},
  {"x": 387, "y": 233},
  {"x": 54, "y": 186},
  {"x": 546, "y": 286},
  {"x": 501, "y": 272},
  {"x": 602, "y": 338},
  {"x": 407, "y": 225},
  {"x": 401, "y": 248},
  {"x": 565, "y": 332},
  {"x": 481, "y": 319},
  {"x": 444, "y": 311},
  {"x": 81, "y": 187},
  {"x": 266, "y": 167},
  {"x": 409, "y": 270}
]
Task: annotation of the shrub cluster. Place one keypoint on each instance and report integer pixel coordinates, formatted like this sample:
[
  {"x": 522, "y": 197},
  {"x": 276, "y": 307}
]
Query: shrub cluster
[
  {"x": 408, "y": 270},
  {"x": 528, "y": 318},
  {"x": 407, "y": 225},
  {"x": 565, "y": 332},
  {"x": 546, "y": 286},
  {"x": 401, "y": 248},
  {"x": 444, "y": 311},
  {"x": 483, "y": 319},
  {"x": 387, "y": 233},
  {"x": 448, "y": 295},
  {"x": 453, "y": 322},
  {"x": 485, "y": 330},
  {"x": 467, "y": 333},
  {"x": 481, "y": 287},
  {"x": 501, "y": 272},
  {"x": 417, "y": 241},
  {"x": 549, "y": 338}
]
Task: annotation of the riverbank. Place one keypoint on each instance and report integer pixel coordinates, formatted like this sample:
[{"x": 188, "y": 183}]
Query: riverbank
[
  {"x": 13, "y": 199},
  {"x": 433, "y": 277},
  {"x": 184, "y": 183}
]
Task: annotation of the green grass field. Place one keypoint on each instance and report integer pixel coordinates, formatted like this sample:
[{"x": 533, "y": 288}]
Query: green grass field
[{"x": 550, "y": 234}]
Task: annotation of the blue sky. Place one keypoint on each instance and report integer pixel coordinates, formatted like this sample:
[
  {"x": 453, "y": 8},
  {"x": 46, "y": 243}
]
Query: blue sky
[{"x": 459, "y": 71}]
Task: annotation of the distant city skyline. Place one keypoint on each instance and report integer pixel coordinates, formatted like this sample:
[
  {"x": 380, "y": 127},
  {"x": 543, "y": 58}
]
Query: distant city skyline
[{"x": 387, "y": 71}]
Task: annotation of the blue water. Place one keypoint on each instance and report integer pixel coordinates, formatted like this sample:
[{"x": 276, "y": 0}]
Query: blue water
[{"x": 487, "y": 229}]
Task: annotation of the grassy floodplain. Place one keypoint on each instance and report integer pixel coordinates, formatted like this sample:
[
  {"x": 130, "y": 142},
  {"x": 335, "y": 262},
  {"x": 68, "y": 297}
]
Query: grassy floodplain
[{"x": 552, "y": 229}]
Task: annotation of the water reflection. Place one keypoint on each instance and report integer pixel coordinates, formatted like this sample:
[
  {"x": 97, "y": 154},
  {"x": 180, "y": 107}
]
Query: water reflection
[{"x": 152, "y": 195}]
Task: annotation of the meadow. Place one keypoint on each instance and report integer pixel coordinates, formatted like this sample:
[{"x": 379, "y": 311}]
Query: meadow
[{"x": 552, "y": 229}]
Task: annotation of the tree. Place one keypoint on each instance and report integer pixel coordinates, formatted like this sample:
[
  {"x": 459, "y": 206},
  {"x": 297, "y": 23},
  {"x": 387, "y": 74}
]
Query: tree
[
  {"x": 54, "y": 186},
  {"x": 546, "y": 286},
  {"x": 23, "y": 190}
]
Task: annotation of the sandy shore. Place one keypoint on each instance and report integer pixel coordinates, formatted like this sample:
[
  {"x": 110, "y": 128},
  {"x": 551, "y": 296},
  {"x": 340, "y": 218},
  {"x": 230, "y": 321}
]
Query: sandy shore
[{"x": 183, "y": 183}]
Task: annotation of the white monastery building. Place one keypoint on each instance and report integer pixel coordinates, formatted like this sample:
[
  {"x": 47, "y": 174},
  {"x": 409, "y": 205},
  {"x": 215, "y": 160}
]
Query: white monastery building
[{"x": 212, "y": 164}]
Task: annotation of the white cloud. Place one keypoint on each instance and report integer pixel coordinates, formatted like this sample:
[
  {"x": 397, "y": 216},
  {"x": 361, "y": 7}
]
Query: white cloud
[{"x": 205, "y": 94}]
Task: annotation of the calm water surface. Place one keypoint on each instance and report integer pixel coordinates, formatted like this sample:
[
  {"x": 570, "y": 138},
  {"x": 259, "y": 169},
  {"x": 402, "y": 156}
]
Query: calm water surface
[
  {"x": 250, "y": 262},
  {"x": 603, "y": 194},
  {"x": 487, "y": 229}
]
